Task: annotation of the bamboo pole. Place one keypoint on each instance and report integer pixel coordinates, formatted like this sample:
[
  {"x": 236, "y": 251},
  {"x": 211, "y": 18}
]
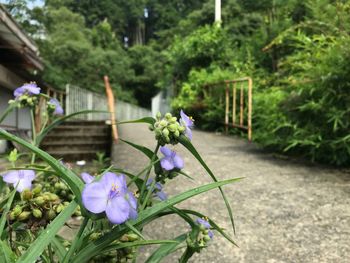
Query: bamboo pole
[
  {"x": 234, "y": 103},
  {"x": 110, "y": 100},
  {"x": 227, "y": 103},
  {"x": 241, "y": 106},
  {"x": 250, "y": 105}
]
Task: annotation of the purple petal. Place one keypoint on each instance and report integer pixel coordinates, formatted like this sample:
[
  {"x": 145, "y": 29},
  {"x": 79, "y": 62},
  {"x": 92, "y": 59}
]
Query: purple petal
[
  {"x": 58, "y": 108},
  {"x": 188, "y": 133},
  {"x": 203, "y": 222},
  {"x": 28, "y": 174},
  {"x": 111, "y": 179},
  {"x": 11, "y": 177},
  {"x": 95, "y": 197},
  {"x": 23, "y": 184},
  {"x": 32, "y": 88},
  {"x": 186, "y": 120},
  {"x": 117, "y": 210},
  {"x": 18, "y": 92},
  {"x": 210, "y": 234},
  {"x": 158, "y": 186},
  {"x": 87, "y": 178},
  {"x": 162, "y": 196},
  {"x": 133, "y": 206},
  {"x": 149, "y": 182},
  {"x": 178, "y": 161},
  {"x": 166, "y": 151},
  {"x": 167, "y": 163}
]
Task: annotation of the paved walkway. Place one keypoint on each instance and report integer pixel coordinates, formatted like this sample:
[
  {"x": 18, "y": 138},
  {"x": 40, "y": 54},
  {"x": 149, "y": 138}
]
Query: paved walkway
[{"x": 284, "y": 211}]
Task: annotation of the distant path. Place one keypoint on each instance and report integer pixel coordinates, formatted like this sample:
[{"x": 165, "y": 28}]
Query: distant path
[{"x": 284, "y": 211}]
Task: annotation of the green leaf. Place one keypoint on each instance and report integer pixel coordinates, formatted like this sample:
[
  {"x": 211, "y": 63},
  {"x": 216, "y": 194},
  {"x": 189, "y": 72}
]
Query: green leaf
[
  {"x": 165, "y": 250},
  {"x": 148, "y": 120},
  {"x": 139, "y": 243},
  {"x": 133, "y": 229},
  {"x": 60, "y": 250},
  {"x": 6, "y": 254},
  {"x": 57, "y": 122},
  {"x": 97, "y": 246},
  {"x": 185, "y": 142},
  {"x": 45, "y": 237},
  {"x": 6, "y": 210},
  {"x": 74, "y": 182}
]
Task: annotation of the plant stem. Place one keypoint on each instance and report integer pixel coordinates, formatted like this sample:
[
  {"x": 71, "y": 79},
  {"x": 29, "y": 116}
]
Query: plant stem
[
  {"x": 186, "y": 255},
  {"x": 76, "y": 241},
  {"x": 148, "y": 172},
  {"x": 34, "y": 133},
  {"x": 149, "y": 192}
]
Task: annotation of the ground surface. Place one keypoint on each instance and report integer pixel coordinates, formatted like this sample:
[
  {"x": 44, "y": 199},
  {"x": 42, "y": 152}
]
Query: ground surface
[{"x": 284, "y": 211}]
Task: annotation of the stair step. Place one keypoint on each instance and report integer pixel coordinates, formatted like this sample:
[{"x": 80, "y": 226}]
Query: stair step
[
  {"x": 74, "y": 155},
  {"x": 83, "y": 147},
  {"x": 74, "y": 142},
  {"x": 82, "y": 123}
]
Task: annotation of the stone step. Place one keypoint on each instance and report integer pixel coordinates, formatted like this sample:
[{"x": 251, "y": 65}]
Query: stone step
[
  {"x": 75, "y": 155},
  {"x": 82, "y": 123},
  {"x": 102, "y": 147}
]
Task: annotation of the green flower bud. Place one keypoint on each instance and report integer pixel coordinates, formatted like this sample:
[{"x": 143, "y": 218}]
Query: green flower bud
[
  {"x": 63, "y": 193},
  {"x": 181, "y": 129},
  {"x": 17, "y": 210},
  {"x": 53, "y": 197},
  {"x": 24, "y": 215},
  {"x": 94, "y": 236},
  {"x": 59, "y": 208},
  {"x": 12, "y": 216},
  {"x": 173, "y": 120},
  {"x": 13, "y": 156},
  {"x": 163, "y": 123},
  {"x": 37, "y": 213},
  {"x": 172, "y": 127},
  {"x": 58, "y": 186},
  {"x": 168, "y": 116},
  {"x": 206, "y": 238},
  {"x": 50, "y": 214},
  {"x": 132, "y": 237},
  {"x": 151, "y": 127},
  {"x": 39, "y": 200},
  {"x": 165, "y": 132},
  {"x": 202, "y": 228},
  {"x": 26, "y": 195},
  {"x": 37, "y": 189},
  {"x": 158, "y": 115},
  {"x": 177, "y": 133}
]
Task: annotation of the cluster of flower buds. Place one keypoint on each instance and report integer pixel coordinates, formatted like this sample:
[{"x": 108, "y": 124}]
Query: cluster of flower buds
[
  {"x": 26, "y": 95},
  {"x": 123, "y": 255},
  {"x": 167, "y": 129},
  {"x": 200, "y": 236}
]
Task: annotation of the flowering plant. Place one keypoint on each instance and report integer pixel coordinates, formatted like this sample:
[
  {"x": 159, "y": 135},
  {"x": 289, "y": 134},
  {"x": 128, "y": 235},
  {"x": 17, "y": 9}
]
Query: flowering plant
[{"x": 39, "y": 198}]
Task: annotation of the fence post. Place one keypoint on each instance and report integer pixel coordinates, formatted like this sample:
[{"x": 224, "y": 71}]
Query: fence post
[{"x": 110, "y": 100}]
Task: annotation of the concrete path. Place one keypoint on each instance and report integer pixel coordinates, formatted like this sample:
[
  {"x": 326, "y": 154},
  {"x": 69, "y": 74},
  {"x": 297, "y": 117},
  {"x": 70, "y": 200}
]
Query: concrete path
[{"x": 284, "y": 211}]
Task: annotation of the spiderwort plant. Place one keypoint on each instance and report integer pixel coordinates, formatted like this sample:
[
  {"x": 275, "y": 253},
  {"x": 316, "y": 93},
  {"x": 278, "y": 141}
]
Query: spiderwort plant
[{"x": 112, "y": 210}]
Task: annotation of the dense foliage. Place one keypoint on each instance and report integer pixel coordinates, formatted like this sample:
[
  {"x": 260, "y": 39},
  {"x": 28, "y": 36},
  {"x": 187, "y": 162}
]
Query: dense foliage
[{"x": 295, "y": 51}]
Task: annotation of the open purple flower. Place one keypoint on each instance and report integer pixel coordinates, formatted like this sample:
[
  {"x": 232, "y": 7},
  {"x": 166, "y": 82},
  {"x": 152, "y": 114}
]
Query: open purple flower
[
  {"x": 110, "y": 195},
  {"x": 158, "y": 189},
  {"x": 87, "y": 178},
  {"x": 171, "y": 159},
  {"x": 20, "y": 178},
  {"x": 187, "y": 122},
  {"x": 56, "y": 104},
  {"x": 28, "y": 88},
  {"x": 205, "y": 224}
]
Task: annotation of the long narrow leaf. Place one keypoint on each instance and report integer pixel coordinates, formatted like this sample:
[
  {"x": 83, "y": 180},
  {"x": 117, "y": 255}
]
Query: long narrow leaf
[
  {"x": 6, "y": 254},
  {"x": 6, "y": 210},
  {"x": 165, "y": 249},
  {"x": 185, "y": 142},
  {"x": 148, "y": 120},
  {"x": 37, "y": 248},
  {"x": 94, "y": 248},
  {"x": 60, "y": 250}
]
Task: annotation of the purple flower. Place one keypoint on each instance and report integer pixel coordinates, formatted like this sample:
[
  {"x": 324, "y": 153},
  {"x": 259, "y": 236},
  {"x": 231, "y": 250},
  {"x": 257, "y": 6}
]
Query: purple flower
[
  {"x": 157, "y": 191},
  {"x": 187, "y": 122},
  {"x": 205, "y": 224},
  {"x": 58, "y": 109},
  {"x": 110, "y": 195},
  {"x": 171, "y": 159},
  {"x": 20, "y": 178},
  {"x": 87, "y": 178},
  {"x": 28, "y": 88}
]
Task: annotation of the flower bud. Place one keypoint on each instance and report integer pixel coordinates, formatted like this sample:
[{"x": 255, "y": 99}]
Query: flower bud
[
  {"x": 37, "y": 189},
  {"x": 168, "y": 116},
  {"x": 206, "y": 238},
  {"x": 59, "y": 208},
  {"x": 24, "y": 215},
  {"x": 12, "y": 216},
  {"x": 37, "y": 213},
  {"x": 26, "y": 195},
  {"x": 181, "y": 129},
  {"x": 158, "y": 115},
  {"x": 132, "y": 237},
  {"x": 94, "y": 236},
  {"x": 50, "y": 214},
  {"x": 39, "y": 200},
  {"x": 172, "y": 127},
  {"x": 151, "y": 127},
  {"x": 173, "y": 120},
  {"x": 165, "y": 132},
  {"x": 177, "y": 133},
  {"x": 17, "y": 210},
  {"x": 163, "y": 123},
  {"x": 53, "y": 197}
]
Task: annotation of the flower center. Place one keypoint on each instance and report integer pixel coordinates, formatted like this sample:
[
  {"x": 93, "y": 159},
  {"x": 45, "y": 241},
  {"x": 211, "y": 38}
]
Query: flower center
[
  {"x": 20, "y": 174},
  {"x": 114, "y": 191}
]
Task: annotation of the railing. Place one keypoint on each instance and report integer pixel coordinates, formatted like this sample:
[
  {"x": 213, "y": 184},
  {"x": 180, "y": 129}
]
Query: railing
[
  {"x": 230, "y": 87},
  {"x": 78, "y": 99}
]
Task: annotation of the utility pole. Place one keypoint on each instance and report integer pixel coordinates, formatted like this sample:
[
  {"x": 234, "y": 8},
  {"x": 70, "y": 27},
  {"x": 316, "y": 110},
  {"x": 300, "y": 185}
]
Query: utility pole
[{"x": 218, "y": 12}]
